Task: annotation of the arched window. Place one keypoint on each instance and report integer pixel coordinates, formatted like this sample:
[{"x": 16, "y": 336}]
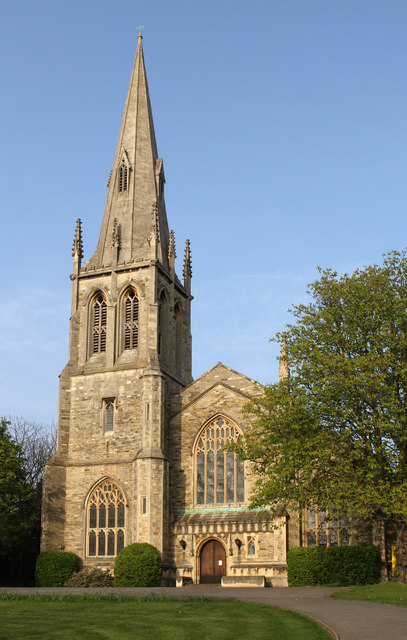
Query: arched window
[
  {"x": 163, "y": 328},
  {"x": 178, "y": 338},
  {"x": 251, "y": 546},
  {"x": 105, "y": 519},
  {"x": 123, "y": 176},
  {"x": 108, "y": 414},
  {"x": 131, "y": 312},
  {"x": 219, "y": 474},
  {"x": 99, "y": 319}
]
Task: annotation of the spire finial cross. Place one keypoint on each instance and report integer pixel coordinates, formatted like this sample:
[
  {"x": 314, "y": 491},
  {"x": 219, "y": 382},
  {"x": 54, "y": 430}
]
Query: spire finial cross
[{"x": 140, "y": 29}]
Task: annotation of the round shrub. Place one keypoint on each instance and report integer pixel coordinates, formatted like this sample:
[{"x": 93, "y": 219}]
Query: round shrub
[
  {"x": 90, "y": 578},
  {"x": 138, "y": 565},
  {"x": 53, "y": 568}
]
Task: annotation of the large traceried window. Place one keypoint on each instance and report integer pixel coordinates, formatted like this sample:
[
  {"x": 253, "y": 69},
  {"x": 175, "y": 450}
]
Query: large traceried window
[
  {"x": 219, "y": 474},
  {"x": 105, "y": 519},
  {"x": 99, "y": 321},
  {"x": 131, "y": 319}
]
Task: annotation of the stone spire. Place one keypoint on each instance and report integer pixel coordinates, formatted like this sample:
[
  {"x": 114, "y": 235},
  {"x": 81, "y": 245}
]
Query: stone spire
[
  {"x": 284, "y": 370},
  {"x": 77, "y": 255},
  {"x": 136, "y": 180},
  {"x": 187, "y": 271},
  {"x": 171, "y": 252},
  {"x": 77, "y": 249},
  {"x": 171, "y": 246}
]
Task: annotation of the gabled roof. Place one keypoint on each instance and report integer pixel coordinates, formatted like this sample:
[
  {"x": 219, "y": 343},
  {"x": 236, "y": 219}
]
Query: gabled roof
[{"x": 219, "y": 376}]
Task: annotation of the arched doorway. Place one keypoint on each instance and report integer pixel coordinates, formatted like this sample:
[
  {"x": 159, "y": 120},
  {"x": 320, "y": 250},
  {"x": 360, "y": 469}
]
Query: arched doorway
[{"x": 212, "y": 562}]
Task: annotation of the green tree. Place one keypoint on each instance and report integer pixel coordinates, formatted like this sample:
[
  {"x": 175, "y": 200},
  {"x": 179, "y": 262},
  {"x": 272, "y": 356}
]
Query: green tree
[
  {"x": 15, "y": 493},
  {"x": 334, "y": 432}
]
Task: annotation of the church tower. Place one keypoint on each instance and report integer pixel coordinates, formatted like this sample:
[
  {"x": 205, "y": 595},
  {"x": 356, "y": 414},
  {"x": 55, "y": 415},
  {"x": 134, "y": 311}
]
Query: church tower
[
  {"x": 143, "y": 450},
  {"x": 129, "y": 356}
]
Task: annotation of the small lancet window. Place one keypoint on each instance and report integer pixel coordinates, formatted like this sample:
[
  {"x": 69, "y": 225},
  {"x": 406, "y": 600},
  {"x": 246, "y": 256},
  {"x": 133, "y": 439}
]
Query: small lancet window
[
  {"x": 108, "y": 407},
  {"x": 123, "y": 177},
  {"x": 131, "y": 313},
  {"x": 251, "y": 547},
  {"x": 99, "y": 321}
]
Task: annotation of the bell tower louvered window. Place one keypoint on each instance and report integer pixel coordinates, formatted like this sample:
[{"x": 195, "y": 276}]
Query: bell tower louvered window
[
  {"x": 123, "y": 177},
  {"x": 219, "y": 473},
  {"x": 105, "y": 520},
  {"x": 131, "y": 314},
  {"x": 99, "y": 321}
]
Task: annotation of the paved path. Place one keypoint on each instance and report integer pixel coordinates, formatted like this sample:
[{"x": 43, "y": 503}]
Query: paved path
[{"x": 351, "y": 620}]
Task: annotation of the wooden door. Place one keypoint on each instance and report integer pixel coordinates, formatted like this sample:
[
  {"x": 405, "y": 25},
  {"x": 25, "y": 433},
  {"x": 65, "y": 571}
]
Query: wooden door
[{"x": 213, "y": 562}]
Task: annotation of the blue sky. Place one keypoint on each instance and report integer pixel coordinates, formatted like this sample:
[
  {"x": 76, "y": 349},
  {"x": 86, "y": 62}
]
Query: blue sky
[{"x": 282, "y": 124}]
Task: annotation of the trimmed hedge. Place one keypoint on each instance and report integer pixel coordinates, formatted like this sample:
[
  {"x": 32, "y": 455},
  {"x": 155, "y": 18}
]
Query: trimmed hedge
[
  {"x": 54, "y": 568},
  {"x": 333, "y": 565},
  {"x": 138, "y": 565}
]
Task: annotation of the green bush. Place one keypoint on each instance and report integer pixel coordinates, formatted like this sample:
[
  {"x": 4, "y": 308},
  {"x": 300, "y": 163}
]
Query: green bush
[
  {"x": 90, "y": 578},
  {"x": 138, "y": 565},
  {"x": 53, "y": 568},
  {"x": 333, "y": 565}
]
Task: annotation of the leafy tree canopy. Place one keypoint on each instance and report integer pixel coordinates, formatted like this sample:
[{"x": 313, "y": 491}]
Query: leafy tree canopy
[
  {"x": 334, "y": 432},
  {"x": 15, "y": 492}
]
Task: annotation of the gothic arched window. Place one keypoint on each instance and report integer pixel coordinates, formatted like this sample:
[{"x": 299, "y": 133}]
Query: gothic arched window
[
  {"x": 99, "y": 320},
  {"x": 105, "y": 519},
  {"x": 219, "y": 474},
  {"x": 131, "y": 313}
]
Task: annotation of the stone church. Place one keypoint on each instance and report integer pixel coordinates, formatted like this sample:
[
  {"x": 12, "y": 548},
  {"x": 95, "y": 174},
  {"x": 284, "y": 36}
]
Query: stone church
[{"x": 141, "y": 446}]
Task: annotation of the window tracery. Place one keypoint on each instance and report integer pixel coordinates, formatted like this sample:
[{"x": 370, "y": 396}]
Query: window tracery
[
  {"x": 323, "y": 531},
  {"x": 105, "y": 520},
  {"x": 219, "y": 473}
]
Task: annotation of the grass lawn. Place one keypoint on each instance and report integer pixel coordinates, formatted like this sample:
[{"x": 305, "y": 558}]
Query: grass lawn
[
  {"x": 387, "y": 592},
  {"x": 94, "y": 618}
]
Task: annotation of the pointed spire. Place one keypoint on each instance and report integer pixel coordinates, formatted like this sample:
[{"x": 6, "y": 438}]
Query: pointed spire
[
  {"x": 284, "y": 370},
  {"x": 187, "y": 270},
  {"x": 77, "y": 249},
  {"x": 171, "y": 246},
  {"x": 136, "y": 179},
  {"x": 171, "y": 253}
]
